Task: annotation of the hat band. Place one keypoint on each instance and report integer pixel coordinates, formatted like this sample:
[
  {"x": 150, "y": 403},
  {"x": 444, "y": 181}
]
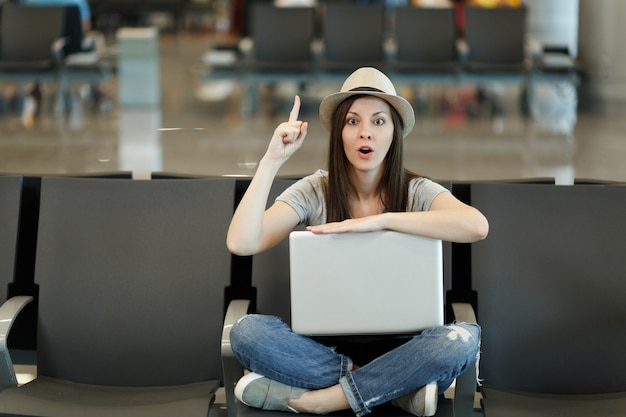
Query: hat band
[{"x": 367, "y": 89}]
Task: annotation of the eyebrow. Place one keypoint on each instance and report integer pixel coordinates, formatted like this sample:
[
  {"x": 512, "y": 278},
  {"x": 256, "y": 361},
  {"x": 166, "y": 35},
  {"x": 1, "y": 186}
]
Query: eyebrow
[{"x": 374, "y": 114}]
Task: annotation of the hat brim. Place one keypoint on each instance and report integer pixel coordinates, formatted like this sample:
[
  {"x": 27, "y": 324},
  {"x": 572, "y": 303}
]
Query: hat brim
[{"x": 403, "y": 107}]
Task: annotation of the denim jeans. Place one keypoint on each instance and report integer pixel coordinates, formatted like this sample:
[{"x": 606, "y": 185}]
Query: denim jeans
[{"x": 267, "y": 346}]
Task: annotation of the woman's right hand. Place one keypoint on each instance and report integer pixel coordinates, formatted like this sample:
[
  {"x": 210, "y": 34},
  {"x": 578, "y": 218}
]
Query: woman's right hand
[
  {"x": 288, "y": 136},
  {"x": 254, "y": 229}
]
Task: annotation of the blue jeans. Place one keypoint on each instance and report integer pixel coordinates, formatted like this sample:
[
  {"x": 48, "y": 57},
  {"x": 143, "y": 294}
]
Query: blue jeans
[{"x": 266, "y": 345}]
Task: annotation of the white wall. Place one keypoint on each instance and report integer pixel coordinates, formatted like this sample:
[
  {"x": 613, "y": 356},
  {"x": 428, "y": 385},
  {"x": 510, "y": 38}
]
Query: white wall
[
  {"x": 555, "y": 22},
  {"x": 602, "y": 37}
]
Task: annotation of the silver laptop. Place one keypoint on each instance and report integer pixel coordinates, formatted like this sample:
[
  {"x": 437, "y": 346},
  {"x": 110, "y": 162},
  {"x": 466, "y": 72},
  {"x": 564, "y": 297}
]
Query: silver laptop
[{"x": 365, "y": 283}]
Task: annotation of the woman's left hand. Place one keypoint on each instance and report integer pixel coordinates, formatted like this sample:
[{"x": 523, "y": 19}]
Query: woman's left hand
[{"x": 362, "y": 224}]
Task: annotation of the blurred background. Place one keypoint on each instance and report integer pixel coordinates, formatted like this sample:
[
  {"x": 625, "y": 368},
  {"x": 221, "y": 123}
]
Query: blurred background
[{"x": 166, "y": 87}]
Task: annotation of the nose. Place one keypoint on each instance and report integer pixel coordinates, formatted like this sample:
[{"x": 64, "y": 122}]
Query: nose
[{"x": 365, "y": 133}]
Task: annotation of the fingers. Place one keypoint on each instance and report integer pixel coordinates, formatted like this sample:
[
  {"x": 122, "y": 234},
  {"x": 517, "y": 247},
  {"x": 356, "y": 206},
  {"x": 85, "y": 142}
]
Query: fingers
[
  {"x": 358, "y": 225},
  {"x": 288, "y": 132},
  {"x": 289, "y": 135},
  {"x": 295, "y": 111},
  {"x": 304, "y": 128},
  {"x": 293, "y": 131},
  {"x": 329, "y": 228}
]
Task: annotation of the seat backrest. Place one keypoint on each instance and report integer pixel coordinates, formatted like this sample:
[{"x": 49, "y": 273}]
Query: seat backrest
[
  {"x": 269, "y": 26},
  {"x": 131, "y": 276},
  {"x": 495, "y": 35},
  {"x": 550, "y": 283},
  {"x": 425, "y": 35},
  {"x": 270, "y": 270},
  {"x": 20, "y": 40},
  {"x": 353, "y": 36},
  {"x": 10, "y": 198}
]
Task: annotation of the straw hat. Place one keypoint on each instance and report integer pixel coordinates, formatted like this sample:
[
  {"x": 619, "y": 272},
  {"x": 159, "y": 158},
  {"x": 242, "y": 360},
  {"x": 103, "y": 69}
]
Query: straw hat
[{"x": 369, "y": 81}]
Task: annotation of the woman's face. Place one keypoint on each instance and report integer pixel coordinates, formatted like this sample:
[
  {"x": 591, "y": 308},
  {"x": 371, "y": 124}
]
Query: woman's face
[{"x": 367, "y": 133}]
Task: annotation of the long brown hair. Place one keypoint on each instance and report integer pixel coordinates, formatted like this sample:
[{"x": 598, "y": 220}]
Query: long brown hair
[{"x": 393, "y": 186}]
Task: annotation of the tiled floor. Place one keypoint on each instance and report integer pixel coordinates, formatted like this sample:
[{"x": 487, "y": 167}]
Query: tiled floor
[{"x": 198, "y": 131}]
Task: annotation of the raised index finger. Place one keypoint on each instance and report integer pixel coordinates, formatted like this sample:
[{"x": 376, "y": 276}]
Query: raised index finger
[{"x": 295, "y": 111}]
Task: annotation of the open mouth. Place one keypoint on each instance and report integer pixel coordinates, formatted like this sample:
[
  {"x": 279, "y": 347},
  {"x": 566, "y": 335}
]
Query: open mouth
[{"x": 365, "y": 151}]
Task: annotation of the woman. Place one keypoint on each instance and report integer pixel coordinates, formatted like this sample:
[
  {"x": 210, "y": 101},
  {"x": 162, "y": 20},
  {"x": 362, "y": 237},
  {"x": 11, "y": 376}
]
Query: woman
[{"x": 365, "y": 189}]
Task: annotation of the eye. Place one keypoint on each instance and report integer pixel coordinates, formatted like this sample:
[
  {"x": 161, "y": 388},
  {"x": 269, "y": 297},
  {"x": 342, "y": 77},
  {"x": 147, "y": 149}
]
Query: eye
[
  {"x": 379, "y": 122},
  {"x": 351, "y": 121}
]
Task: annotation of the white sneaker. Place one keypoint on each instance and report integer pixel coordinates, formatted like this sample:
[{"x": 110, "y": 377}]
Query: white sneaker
[
  {"x": 255, "y": 390},
  {"x": 421, "y": 403}
]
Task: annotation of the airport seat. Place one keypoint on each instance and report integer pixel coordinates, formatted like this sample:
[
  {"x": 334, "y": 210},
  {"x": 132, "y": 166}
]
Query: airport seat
[
  {"x": 271, "y": 49},
  {"x": 86, "y": 58},
  {"x": 278, "y": 49},
  {"x": 270, "y": 270},
  {"x": 81, "y": 48},
  {"x": 550, "y": 284},
  {"x": 494, "y": 48},
  {"x": 28, "y": 55},
  {"x": 495, "y": 51},
  {"x": 353, "y": 36},
  {"x": 270, "y": 278},
  {"x": 131, "y": 279},
  {"x": 425, "y": 45}
]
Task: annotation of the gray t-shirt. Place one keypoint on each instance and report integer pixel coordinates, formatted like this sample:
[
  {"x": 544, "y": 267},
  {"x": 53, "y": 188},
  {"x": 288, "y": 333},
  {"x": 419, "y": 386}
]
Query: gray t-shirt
[{"x": 307, "y": 198}]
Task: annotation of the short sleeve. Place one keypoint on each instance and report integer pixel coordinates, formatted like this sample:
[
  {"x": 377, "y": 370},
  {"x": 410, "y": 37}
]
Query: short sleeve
[
  {"x": 306, "y": 198},
  {"x": 422, "y": 192}
]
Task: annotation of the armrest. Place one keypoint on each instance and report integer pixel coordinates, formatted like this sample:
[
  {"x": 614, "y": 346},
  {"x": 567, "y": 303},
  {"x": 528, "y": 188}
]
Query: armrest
[
  {"x": 246, "y": 49},
  {"x": 94, "y": 41},
  {"x": 390, "y": 48},
  {"x": 462, "y": 49},
  {"x": 317, "y": 48},
  {"x": 231, "y": 368},
  {"x": 464, "y": 312},
  {"x": 465, "y": 390},
  {"x": 8, "y": 312},
  {"x": 533, "y": 50},
  {"x": 57, "y": 49},
  {"x": 94, "y": 52}
]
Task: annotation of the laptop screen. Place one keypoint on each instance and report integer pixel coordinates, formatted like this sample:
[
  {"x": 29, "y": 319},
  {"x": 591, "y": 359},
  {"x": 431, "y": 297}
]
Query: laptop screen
[{"x": 365, "y": 283}]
